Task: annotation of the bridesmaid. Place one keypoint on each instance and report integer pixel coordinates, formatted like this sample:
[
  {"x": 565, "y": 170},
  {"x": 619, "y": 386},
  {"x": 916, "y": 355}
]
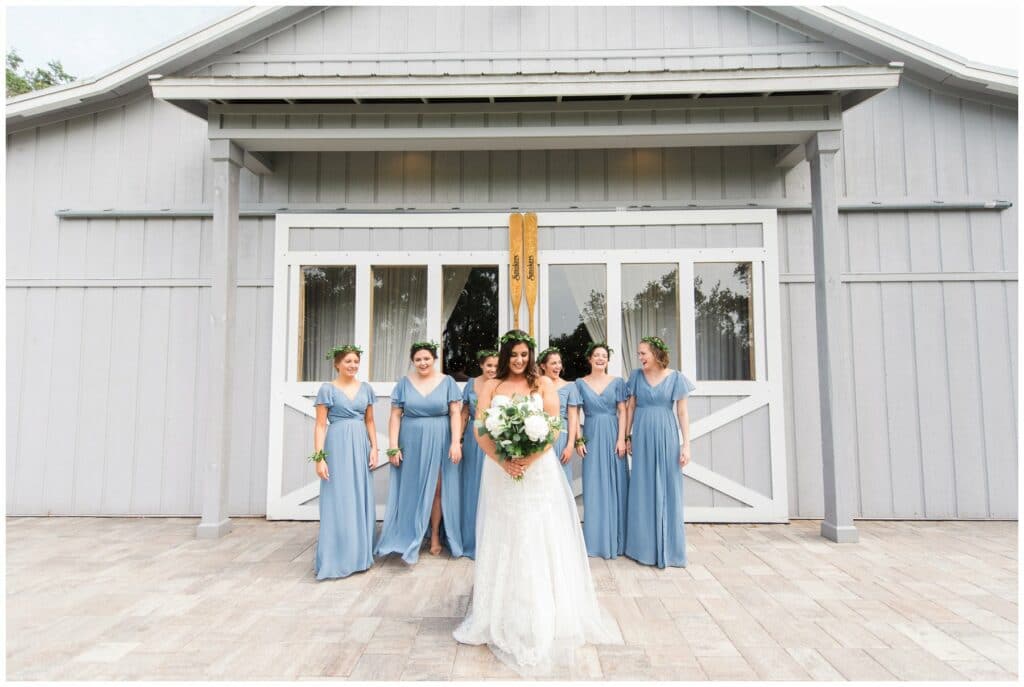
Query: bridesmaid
[
  {"x": 346, "y": 451},
  {"x": 550, "y": 363},
  {"x": 472, "y": 456},
  {"x": 425, "y": 454},
  {"x": 654, "y": 524},
  {"x": 605, "y": 473}
]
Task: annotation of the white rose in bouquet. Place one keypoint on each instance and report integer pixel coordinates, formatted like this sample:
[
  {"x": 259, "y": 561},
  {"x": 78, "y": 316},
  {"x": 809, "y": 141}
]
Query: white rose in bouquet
[
  {"x": 500, "y": 401},
  {"x": 536, "y": 427},
  {"x": 493, "y": 422}
]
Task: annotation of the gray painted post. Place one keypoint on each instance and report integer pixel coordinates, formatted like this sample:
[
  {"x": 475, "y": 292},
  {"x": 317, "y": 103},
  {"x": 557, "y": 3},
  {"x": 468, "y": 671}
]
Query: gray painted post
[
  {"x": 828, "y": 301},
  {"x": 227, "y": 161}
]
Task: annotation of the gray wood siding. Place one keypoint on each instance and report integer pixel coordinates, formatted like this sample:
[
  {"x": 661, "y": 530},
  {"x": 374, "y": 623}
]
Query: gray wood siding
[
  {"x": 475, "y": 40},
  {"x": 107, "y": 317}
]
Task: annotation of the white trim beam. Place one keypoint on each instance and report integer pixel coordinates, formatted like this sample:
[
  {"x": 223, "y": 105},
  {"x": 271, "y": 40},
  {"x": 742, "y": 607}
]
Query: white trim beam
[
  {"x": 527, "y": 137},
  {"x": 677, "y": 82}
]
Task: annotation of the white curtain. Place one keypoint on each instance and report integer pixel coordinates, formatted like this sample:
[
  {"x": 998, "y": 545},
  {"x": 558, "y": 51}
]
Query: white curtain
[
  {"x": 329, "y": 317},
  {"x": 399, "y": 317},
  {"x": 650, "y": 307},
  {"x": 584, "y": 282},
  {"x": 454, "y": 278},
  {"x": 721, "y": 352}
]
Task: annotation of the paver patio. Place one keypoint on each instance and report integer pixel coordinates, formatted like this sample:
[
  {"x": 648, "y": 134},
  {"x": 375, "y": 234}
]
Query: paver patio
[{"x": 139, "y": 598}]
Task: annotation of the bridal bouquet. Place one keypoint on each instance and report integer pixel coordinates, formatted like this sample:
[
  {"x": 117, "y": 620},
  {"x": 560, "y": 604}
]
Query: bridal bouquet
[{"x": 519, "y": 426}]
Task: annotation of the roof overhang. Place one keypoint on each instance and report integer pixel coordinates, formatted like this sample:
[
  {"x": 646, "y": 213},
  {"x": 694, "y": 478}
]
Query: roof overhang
[
  {"x": 852, "y": 83},
  {"x": 875, "y": 42},
  {"x": 131, "y": 77}
]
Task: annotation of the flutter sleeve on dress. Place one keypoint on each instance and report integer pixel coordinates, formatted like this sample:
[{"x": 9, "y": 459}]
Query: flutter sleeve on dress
[
  {"x": 324, "y": 396},
  {"x": 631, "y": 383},
  {"x": 467, "y": 390},
  {"x": 574, "y": 397},
  {"x": 454, "y": 393},
  {"x": 683, "y": 387},
  {"x": 398, "y": 394},
  {"x": 621, "y": 390},
  {"x": 371, "y": 396}
]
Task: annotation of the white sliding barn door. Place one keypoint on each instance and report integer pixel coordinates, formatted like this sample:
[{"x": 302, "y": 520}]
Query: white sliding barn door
[
  {"x": 738, "y": 469},
  {"x": 737, "y": 429}
]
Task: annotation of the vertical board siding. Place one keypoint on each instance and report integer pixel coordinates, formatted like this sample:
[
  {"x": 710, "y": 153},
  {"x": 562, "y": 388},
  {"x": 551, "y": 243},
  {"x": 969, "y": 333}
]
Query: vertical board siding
[
  {"x": 931, "y": 365},
  {"x": 393, "y": 40}
]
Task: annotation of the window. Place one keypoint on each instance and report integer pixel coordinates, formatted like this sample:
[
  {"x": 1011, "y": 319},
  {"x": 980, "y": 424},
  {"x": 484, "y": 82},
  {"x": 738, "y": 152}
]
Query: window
[
  {"x": 398, "y": 318},
  {"x": 650, "y": 307},
  {"x": 723, "y": 300},
  {"x": 578, "y": 313},
  {"x": 328, "y": 318},
  {"x": 469, "y": 311}
]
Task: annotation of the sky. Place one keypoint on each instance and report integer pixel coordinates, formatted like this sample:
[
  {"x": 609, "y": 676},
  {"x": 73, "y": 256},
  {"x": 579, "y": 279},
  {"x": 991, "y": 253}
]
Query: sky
[{"x": 90, "y": 40}]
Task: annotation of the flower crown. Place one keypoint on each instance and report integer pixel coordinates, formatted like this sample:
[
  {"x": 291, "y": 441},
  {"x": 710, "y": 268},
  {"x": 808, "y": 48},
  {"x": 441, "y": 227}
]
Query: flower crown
[
  {"x": 547, "y": 351},
  {"x": 520, "y": 336},
  {"x": 432, "y": 345},
  {"x": 598, "y": 344},
  {"x": 485, "y": 353},
  {"x": 347, "y": 348},
  {"x": 656, "y": 342}
]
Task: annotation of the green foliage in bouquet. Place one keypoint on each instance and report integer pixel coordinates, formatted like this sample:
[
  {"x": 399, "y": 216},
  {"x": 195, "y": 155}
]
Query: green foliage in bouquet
[{"x": 519, "y": 426}]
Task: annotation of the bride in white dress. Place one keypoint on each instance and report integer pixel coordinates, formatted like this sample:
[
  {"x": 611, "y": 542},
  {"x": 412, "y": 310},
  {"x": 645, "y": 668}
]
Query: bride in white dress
[{"x": 533, "y": 598}]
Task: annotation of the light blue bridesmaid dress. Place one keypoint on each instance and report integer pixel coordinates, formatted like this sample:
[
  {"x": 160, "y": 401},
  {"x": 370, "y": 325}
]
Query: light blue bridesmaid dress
[
  {"x": 425, "y": 436},
  {"x": 568, "y": 395},
  {"x": 347, "y": 511},
  {"x": 605, "y": 474},
  {"x": 473, "y": 459},
  {"x": 654, "y": 524}
]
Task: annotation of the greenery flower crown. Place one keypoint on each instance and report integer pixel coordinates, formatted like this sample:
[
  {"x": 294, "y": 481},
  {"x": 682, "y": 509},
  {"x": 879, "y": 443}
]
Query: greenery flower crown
[
  {"x": 485, "y": 353},
  {"x": 656, "y": 342},
  {"x": 548, "y": 350},
  {"x": 522, "y": 336},
  {"x": 598, "y": 344},
  {"x": 417, "y": 345},
  {"x": 347, "y": 348}
]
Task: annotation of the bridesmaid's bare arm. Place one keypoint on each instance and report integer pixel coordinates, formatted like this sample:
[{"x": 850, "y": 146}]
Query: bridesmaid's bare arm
[
  {"x": 319, "y": 436},
  {"x": 371, "y": 433}
]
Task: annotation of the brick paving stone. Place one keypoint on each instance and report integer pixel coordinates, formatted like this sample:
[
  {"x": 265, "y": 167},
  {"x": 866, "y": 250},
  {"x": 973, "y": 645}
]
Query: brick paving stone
[{"x": 143, "y": 599}]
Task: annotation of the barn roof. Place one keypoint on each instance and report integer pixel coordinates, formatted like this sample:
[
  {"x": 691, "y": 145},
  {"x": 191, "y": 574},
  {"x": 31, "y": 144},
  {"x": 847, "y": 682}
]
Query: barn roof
[{"x": 860, "y": 36}]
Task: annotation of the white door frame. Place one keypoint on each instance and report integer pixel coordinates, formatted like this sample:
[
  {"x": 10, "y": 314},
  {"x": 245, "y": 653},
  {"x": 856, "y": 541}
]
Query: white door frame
[{"x": 766, "y": 389}]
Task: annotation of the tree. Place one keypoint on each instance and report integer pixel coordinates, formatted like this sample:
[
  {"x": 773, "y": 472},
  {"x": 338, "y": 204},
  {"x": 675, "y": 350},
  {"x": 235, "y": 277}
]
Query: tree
[{"x": 27, "y": 80}]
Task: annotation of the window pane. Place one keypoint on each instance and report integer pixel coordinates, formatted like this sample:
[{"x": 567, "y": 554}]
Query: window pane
[
  {"x": 577, "y": 313},
  {"x": 725, "y": 344},
  {"x": 469, "y": 311},
  {"x": 398, "y": 318},
  {"x": 650, "y": 307},
  {"x": 328, "y": 318}
]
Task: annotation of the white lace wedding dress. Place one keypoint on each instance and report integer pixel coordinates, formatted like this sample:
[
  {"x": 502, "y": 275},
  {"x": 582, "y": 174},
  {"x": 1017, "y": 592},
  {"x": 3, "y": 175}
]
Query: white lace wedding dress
[{"x": 533, "y": 598}]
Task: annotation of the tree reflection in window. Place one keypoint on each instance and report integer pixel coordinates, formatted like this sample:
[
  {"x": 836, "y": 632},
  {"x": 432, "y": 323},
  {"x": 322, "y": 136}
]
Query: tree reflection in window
[
  {"x": 578, "y": 313},
  {"x": 722, "y": 296},
  {"x": 650, "y": 307},
  {"x": 471, "y": 306}
]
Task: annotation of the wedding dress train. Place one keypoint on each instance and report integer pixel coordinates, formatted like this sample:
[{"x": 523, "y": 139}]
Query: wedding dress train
[{"x": 533, "y": 597}]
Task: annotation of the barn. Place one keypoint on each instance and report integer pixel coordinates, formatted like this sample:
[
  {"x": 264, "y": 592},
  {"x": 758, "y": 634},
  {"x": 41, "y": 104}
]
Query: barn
[{"x": 816, "y": 211}]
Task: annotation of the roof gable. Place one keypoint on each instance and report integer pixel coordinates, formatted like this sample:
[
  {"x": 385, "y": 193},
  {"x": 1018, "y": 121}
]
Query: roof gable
[{"x": 387, "y": 41}]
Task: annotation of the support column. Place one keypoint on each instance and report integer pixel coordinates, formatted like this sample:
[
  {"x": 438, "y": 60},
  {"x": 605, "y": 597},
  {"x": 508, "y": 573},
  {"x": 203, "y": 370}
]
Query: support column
[
  {"x": 830, "y": 320},
  {"x": 227, "y": 161}
]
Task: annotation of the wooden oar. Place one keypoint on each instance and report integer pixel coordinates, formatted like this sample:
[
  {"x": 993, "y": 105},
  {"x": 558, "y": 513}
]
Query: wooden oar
[
  {"x": 515, "y": 263},
  {"x": 530, "y": 244}
]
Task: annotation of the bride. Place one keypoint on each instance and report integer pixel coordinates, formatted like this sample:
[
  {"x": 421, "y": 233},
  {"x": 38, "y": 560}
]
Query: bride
[{"x": 533, "y": 598}]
